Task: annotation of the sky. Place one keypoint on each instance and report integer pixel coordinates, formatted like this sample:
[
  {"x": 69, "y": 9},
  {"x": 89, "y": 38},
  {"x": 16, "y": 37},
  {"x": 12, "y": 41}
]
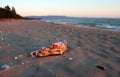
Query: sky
[{"x": 76, "y": 8}]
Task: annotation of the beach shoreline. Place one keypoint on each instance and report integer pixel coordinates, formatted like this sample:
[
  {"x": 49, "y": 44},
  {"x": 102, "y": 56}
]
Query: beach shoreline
[{"x": 91, "y": 52}]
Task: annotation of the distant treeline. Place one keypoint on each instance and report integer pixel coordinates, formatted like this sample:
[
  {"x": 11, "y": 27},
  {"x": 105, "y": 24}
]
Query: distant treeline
[{"x": 8, "y": 12}]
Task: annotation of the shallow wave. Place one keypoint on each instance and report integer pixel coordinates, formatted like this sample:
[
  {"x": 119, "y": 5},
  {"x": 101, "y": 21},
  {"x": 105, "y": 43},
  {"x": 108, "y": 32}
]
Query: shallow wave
[
  {"x": 110, "y": 24},
  {"x": 107, "y": 26}
]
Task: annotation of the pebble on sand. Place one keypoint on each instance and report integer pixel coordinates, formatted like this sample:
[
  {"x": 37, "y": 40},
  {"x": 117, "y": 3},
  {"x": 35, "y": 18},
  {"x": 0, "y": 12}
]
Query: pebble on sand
[
  {"x": 15, "y": 58},
  {"x": 5, "y": 66},
  {"x": 70, "y": 58},
  {"x": 2, "y": 39},
  {"x": 101, "y": 67},
  {"x": 20, "y": 56},
  {"x": 8, "y": 44},
  {"x": 50, "y": 70}
]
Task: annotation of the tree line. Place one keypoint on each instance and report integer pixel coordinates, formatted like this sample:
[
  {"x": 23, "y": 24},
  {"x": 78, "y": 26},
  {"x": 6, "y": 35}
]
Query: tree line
[{"x": 8, "y": 12}]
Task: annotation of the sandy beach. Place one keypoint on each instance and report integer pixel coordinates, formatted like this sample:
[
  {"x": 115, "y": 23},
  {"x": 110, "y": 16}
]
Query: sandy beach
[{"x": 91, "y": 52}]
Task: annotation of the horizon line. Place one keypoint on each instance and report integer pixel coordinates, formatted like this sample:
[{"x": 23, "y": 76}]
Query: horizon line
[{"x": 73, "y": 16}]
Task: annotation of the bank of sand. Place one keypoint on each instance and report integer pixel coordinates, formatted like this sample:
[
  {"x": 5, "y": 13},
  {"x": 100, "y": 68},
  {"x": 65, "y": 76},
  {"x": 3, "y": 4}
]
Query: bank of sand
[{"x": 91, "y": 52}]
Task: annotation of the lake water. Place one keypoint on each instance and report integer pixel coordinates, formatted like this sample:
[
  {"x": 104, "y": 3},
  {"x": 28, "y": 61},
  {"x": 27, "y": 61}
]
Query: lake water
[{"x": 103, "y": 23}]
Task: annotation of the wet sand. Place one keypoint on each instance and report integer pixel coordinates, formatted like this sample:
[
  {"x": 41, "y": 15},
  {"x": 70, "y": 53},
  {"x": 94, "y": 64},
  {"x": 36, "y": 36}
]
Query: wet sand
[{"x": 91, "y": 52}]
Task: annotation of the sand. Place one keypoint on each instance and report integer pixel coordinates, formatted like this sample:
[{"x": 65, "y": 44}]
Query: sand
[{"x": 91, "y": 52}]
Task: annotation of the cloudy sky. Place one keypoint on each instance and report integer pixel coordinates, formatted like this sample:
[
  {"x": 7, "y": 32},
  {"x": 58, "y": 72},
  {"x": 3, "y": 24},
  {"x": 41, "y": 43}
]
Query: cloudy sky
[{"x": 77, "y": 8}]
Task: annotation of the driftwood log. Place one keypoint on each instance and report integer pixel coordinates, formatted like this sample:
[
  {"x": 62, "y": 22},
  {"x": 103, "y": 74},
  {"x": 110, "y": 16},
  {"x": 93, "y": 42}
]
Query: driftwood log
[{"x": 57, "y": 48}]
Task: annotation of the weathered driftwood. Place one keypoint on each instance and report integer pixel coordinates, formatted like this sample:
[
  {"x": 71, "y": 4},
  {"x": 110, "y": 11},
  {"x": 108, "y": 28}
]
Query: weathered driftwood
[{"x": 57, "y": 48}]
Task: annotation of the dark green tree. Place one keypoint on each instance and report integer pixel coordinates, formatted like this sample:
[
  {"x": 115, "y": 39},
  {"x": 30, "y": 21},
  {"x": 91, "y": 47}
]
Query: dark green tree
[
  {"x": 13, "y": 12},
  {"x": 2, "y": 13},
  {"x": 7, "y": 8},
  {"x": 7, "y": 12}
]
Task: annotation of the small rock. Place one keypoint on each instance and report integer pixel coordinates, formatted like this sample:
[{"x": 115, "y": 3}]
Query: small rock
[
  {"x": 2, "y": 39},
  {"x": 5, "y": 66},
  {"x": 101, "y": 67},
  {"x": 20, "y": 56},
  {"x": 70, "y": 58},
  {"x": 8, "y": 44},
  {"x": 15, "y": 58},
  {"x": 50, "y": 70}
]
